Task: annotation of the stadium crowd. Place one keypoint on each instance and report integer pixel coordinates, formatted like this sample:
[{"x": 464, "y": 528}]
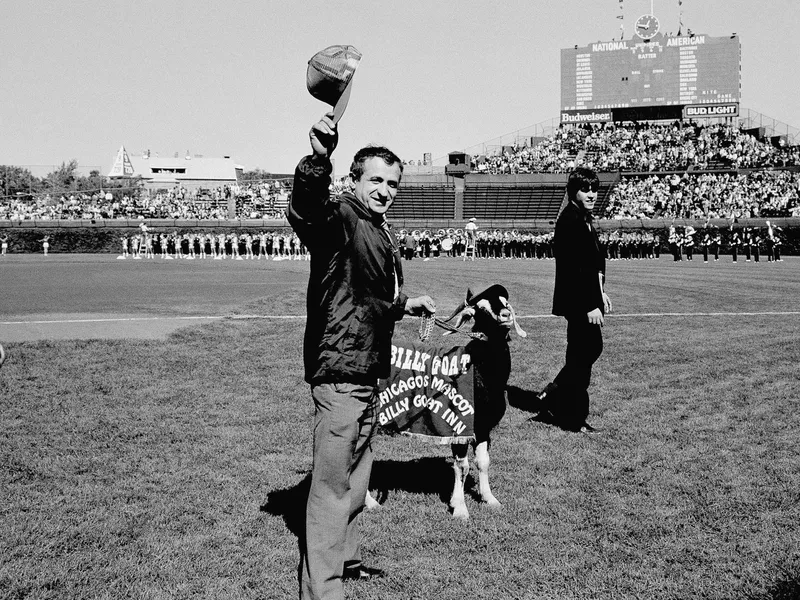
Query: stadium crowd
[
  {"x": 752, "y": 194},
  {"x": 640, "y": 147},
  {"x": 750, "y": 179},
  {"x": 253, "y": 200}
]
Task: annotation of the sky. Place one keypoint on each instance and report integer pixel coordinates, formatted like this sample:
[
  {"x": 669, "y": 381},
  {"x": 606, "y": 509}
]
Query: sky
[{"x": 227, "y": 78}]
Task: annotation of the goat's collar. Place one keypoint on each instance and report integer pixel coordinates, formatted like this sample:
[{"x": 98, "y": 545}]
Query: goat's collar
[{"x": 475, "y": 335}]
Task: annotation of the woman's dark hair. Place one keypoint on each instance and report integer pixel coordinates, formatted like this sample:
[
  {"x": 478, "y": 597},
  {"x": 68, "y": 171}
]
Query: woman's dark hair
[
  {"x": 581, "y": 178},
  {"x": 386, "y": 155}
]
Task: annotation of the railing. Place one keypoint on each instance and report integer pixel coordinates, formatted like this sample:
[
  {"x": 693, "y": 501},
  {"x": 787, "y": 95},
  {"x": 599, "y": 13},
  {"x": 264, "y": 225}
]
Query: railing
[{"x": 750, "y": 119}]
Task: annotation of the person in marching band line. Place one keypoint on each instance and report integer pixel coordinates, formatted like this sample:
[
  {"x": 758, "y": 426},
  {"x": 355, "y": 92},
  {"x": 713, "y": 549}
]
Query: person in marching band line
[
  {"x": 688, "y": 240},
  {"x": 436, "y": 241},
  {"x": 706, "y": 243},
  {"x": 777, "y": 243},
  {"x": 716, "y": 242},
  {"x": 770, "y": 241},
  {"x": 163, "y": 240},
  {"x": 756, "y": 246},
  {"x": 773, "y": 243},
  {"x": 262, "y": 245},
  {"x": 748, "y": 243},
  {"x": 674, "y": 244},
  {"x": 45, "y": 244},
  {"x": 410, "y": 248},
  {"x": 736, "y": 241},
  {"x": 425, "y": 244},
  {"x": 124, "y": 241},
  {"x": 447, "y": 244},
  {"x": 4, "y": 245},
  {"x": 248, "y": 246},
  {"x": 354, "y": 300},
  {"x": 276, "y": 247},
  {"x": 578, "y": 296}
]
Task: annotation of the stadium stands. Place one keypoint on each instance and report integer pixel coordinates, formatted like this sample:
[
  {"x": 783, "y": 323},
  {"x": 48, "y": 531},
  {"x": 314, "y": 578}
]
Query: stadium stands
[
  {"x": 670, "y": 170},
  {"x": 434, "y": 200},
  {"x": 493, "y": 201}
]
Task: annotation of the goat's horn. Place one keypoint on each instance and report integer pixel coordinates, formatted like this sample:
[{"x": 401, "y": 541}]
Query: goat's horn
[
  {"x": 464, "y": 316},
  {"x": 461, "y": 307}
]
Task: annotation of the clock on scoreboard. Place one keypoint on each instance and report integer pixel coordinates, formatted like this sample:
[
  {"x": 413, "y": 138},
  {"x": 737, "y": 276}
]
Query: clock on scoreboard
[{"x": 646, "y": 27}]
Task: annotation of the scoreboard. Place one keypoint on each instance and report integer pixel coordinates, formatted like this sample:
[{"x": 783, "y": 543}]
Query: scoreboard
[{"x": 675, "y": 71}]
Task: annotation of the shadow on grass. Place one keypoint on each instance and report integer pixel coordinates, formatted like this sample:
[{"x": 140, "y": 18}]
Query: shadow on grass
[
  {"x": 524, "y": 400},
  {"x": 528, "y": 401},
  {"x": 429, "y": 475},
  {"x": 785, "y": 585},
  {"x": 290, "y": 503}
]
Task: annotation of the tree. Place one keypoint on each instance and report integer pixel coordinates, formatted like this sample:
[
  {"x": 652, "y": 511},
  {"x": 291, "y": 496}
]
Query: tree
[
  {"x": 262, "y": 175},
  {"x": 63, "y": 178},
  {"x": 17, "y": 180},
  {"x": 93, "y": 183}
]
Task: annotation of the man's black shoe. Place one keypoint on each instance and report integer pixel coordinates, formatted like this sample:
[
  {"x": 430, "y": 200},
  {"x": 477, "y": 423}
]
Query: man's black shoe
[{"x": 362, "y": 573}]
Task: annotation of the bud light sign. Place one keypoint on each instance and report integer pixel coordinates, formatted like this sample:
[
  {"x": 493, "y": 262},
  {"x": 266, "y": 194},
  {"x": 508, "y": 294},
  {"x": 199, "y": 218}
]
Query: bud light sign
[{"x": 710, "y": 110}]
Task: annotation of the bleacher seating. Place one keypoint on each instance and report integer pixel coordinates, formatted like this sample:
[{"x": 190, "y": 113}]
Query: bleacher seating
[
  {"x": 433, "y": 201},
  {"x": 513, "y": 201}
]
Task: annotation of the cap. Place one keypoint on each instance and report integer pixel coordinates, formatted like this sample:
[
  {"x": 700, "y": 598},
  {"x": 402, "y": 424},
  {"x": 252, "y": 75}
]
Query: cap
[{"x": 329, "y": 77}]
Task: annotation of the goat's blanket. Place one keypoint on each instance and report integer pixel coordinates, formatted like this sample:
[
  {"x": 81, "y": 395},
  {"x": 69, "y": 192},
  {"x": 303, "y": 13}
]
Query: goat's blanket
[{"x": 429, "y": 393}]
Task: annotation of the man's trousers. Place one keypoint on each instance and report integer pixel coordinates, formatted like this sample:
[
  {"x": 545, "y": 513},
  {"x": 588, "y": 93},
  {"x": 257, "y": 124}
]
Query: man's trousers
[
  {"x": 584, "y": 347},
  {"x": 345, "y": 417}
]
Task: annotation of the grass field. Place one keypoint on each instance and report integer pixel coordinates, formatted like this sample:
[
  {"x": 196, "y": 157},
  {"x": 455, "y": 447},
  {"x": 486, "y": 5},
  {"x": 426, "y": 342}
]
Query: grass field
[{"x": 177, "y": 468}]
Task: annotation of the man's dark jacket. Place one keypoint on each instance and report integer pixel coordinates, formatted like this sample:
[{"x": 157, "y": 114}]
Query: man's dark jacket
[
  {"x": 578, "y": 262},
  {"x": 351, "y": 300}
]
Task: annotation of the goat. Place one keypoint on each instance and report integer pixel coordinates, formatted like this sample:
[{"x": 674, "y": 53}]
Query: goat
[{"x": 492, "y": 319}]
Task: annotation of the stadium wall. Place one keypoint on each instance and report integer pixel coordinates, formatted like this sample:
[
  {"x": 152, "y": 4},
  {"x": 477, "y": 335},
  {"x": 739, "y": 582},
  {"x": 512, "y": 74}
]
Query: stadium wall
[{"x": 101, "y": 237}]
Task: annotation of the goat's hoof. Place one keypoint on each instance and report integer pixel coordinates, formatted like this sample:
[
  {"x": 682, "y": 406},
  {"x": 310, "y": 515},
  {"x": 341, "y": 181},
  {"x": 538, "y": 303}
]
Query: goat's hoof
[
  {"x": 460, "y": 512},
  {"x": 492, "y": 502},
  {"x": 370, "y": 503}
]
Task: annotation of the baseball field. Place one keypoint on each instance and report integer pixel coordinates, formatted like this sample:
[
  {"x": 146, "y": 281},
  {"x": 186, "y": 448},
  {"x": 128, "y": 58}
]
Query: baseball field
[{"x": 156, "y": 438}]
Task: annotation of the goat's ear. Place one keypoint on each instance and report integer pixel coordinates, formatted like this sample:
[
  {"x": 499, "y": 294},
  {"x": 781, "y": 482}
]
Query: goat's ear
[
  {"x": 520, "y": 331},
  {"x": 468, "y": 297}
]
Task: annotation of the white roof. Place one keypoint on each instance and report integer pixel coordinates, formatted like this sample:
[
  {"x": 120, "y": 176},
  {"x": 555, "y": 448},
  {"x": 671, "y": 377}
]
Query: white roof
[{"x": 193, "y": 168}]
